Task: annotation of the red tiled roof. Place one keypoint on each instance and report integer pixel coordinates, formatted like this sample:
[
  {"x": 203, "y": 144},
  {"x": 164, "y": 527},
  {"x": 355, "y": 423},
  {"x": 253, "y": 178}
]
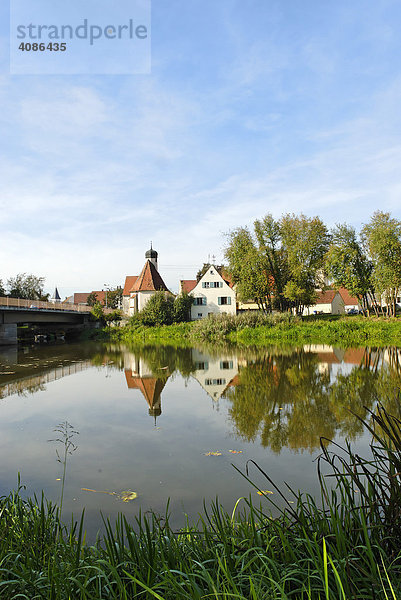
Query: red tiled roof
[
  {"x": 355, "y": 356},
  {"x": 326, "y": 297},
  {"x": 150, "y": 387},
  {"x": 100, "y": 296},
  {"x": 226, "y": 277},
  {"x": 149, "y": 280},
  {"x": 347, "y": 298},
  {"x": 328, "y": 358},
  {"x": 187, "y": 285},
  {"x": 129, "y": 282},
  {"x": 81, "y": 297}
]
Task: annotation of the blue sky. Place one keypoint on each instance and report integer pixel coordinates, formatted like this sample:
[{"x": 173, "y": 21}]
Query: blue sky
[{"x": 251, "y": 107}]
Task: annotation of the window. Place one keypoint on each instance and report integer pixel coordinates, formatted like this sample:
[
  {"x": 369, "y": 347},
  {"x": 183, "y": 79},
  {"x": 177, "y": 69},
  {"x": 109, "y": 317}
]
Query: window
[
  {"x": 199, "y": 315},
  {"x": 215, "y": 381},
  {"x": 201, "y": 366},
  {"x": 226, "y": 364},
  {"x": 224, "y": 300},
  {"x": 200, "y": 301},
  {"x": 212, "y": 284}
]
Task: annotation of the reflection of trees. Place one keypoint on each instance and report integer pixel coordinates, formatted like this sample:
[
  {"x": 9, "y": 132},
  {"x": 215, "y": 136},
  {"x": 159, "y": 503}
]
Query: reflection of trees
[
  {"x": 285, "y": 399},
  {"x": 291, "y": 401},
  {"x": 160, "y": 360}
]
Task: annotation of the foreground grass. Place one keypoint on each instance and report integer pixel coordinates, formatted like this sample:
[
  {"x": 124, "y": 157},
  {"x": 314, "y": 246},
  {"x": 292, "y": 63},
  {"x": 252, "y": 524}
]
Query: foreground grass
[
  {"x": 345, "y": 546},
  {"x": 254, "y": 330}
]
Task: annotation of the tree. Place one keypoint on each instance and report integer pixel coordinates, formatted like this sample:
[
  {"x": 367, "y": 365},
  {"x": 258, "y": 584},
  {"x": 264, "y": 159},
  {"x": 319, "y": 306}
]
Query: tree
[
  {"x": 182, "y": 308},
  {"x": 28, "y": 287},
  {"x": 92, "y": 300},
  {"x": 159, "y": 310},
  {"x": 305, "y": 241},
  {"x": 249, "y": 269},
  {"x": 348, "y": 265},
  {"x": 2, "y": 289},
  {"x": 113, "y": 317},
  {"x": 115, "y": 298},
  {"x": 268, "y": 235},
  {"x": 382, "y": 240},
  {"x": 97, "y": 312}
]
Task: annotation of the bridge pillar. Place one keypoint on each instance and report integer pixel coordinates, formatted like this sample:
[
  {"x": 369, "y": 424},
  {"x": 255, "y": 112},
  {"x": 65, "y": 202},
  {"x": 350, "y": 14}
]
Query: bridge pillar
[{"x": 8, "y": 334}]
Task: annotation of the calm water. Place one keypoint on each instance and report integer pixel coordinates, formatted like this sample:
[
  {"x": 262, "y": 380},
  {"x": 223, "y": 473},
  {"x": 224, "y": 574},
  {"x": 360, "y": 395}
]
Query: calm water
[{"x": 148, "y": 417}]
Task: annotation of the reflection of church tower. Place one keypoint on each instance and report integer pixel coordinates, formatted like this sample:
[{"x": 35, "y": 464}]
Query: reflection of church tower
[
  {"x": 151, "y": 389},
  {"x": 152, "y": 256}
]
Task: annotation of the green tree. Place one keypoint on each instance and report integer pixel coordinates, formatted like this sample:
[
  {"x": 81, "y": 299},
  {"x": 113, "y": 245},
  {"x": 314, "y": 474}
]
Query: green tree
[
  {"x": 97, "y": 312},
  {"x": 28, "y": 287},
  {"x": 91, "y": 300},
  {"x": 2, "y": 289},
  {"x": 268, "y": 235},
  {"x": 182, "y": 308},
  {"x": 305, "y": 241},
  {"x": 115, "y": 298},
  {"x": 382, "y": 239},
  {"x": 159, "y": 310},
  {"x": 113, "y": 317},
  {"x": 348, "y": 265},
  {"x": 249, "y": 269}
]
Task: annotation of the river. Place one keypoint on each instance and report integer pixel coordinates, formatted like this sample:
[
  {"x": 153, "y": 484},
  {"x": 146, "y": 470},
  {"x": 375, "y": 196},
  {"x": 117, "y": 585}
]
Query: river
[{"x": 135, "y": 427}]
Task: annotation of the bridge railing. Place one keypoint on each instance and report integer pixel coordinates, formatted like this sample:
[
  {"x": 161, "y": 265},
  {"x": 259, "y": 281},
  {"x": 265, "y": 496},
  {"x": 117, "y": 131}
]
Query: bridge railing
[{"x": 39, "y": 304}]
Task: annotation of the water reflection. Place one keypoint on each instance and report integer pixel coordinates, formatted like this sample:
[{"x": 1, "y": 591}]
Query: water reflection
[
  {"x": 140, "y": 376},
  {"x": 279, "y": 398},
  {"x": 284, "y": 398}
]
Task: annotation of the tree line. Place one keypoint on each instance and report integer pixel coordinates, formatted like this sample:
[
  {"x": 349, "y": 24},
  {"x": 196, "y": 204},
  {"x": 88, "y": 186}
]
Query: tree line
[
  {"x": 24, "y": 286},
  {"x": 282, "y": 263}
]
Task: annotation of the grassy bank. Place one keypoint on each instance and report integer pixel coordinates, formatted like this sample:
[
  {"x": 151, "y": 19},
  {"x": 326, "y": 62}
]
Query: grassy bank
[
  {"x": 348, "y": 548},
  {"x": 253, "y": 330}
]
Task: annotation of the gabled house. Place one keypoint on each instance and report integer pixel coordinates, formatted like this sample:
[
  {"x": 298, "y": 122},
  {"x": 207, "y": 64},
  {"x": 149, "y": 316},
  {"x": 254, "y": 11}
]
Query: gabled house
[
  {"x": 129, "y": 282},
  {"x": 328, "y": 301},
  {"x": 139, "y": 288},
  {"x": 213, "y": 294},
  {"x": 82, "y": 297},
  {"x": 350, "y": 302}
]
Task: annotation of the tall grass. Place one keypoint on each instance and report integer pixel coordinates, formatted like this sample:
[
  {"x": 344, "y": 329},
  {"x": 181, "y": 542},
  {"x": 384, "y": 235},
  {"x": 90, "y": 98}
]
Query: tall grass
[
  {"x": 252, "y": 329},
  {"x": 343, "y": 545}
]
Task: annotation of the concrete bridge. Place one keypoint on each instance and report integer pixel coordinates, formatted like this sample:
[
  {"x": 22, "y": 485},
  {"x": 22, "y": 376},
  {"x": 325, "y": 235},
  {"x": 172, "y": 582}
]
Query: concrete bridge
[{"x": 15, "y": 311}]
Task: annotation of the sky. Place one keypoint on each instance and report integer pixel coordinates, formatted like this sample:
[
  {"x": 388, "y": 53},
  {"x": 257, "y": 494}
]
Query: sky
[{"x": 250, "y": 107}]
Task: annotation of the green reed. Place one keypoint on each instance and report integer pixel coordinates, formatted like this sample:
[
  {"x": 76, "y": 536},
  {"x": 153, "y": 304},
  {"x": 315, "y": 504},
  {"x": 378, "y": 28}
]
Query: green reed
[{"x": 343, "y": 545}]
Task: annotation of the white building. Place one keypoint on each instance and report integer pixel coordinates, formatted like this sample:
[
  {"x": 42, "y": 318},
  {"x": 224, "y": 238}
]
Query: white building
[
  {"x": 213, "y": 294},
  {"x": 139, "y": 288},
  {"x": 329, "y": 302},
  {"x": 215, "y": 375}
]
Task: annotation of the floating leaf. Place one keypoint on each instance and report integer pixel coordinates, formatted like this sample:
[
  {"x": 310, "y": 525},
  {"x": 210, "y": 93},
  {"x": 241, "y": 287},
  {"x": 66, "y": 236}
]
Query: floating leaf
[
  {"x": 99, "y": 491},
  {"x": 58, "y": 479},
  {"x": 264, "y": 492},
  {"x": 128, "y": 495},
  {"x": 213, "y": 453},
  {"x": 236, "y": 451}
]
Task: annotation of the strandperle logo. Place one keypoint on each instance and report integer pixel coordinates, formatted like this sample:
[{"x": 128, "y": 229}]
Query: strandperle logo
[{"x": 84, "y": 31}]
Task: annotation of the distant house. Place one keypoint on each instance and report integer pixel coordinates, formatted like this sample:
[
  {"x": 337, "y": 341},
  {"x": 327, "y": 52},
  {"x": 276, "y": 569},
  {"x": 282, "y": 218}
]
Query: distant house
[
  {"x": 82, "y": 297},
  {"x": 139, "y": 288},
  {"x": 213, "y": 294},
  {"x": 328, "y": 302},
  {"x": 350, "y": 302}
]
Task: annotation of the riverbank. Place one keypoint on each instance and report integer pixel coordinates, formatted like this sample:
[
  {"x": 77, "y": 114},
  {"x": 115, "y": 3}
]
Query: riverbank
[
  {"x": 255, "y": 330},
  {"x": 348, "y": 548}
]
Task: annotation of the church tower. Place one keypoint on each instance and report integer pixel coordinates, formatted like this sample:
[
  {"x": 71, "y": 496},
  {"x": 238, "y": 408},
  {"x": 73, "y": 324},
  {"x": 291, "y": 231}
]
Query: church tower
[{"x": 152, "y": 256}]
